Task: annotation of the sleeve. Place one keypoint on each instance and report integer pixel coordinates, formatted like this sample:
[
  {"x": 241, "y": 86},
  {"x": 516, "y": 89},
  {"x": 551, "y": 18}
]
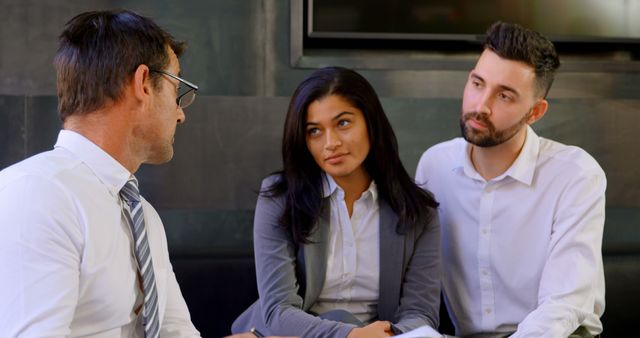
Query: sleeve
[
  {"x": 277, "y": 285},
  {"x": 40, "y": 251},
  {"x": 572, "y": 284},
  {"x": 420, "y": 300}
]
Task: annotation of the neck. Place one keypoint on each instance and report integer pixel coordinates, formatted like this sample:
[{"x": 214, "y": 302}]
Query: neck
[
  {"x": 491, "y": 162},
  {"x": 107, "y": 129},
  {"x": 353, "y": 186}
]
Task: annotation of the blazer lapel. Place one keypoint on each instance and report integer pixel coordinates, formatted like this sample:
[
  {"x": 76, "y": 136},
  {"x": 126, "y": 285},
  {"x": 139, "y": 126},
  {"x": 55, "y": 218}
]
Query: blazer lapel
[
  {"x": 391, "y": 262},
  {"x": 315, "y": 259}
]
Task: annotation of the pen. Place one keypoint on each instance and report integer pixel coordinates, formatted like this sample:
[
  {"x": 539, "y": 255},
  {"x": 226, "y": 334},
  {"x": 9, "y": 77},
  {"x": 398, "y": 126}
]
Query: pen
[{"x": 256, "y": 332}]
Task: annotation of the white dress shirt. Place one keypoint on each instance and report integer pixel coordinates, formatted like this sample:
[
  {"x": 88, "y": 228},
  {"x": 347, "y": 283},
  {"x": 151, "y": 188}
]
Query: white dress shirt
[
  {"x": 522, "y": 251},
  {"x": 67, "y": 267},
  {"x": 353, "y": 257}
]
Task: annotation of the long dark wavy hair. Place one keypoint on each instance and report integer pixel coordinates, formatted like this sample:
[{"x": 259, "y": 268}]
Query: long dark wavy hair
[{"x": 300, "y": 181}]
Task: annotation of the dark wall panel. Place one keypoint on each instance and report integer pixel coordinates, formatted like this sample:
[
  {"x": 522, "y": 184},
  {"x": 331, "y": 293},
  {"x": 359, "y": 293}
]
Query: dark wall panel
[
  {"x": 225, "y": 148},
  {"x": 12, "y": 129},
  {"x": 42, "y": 123}
]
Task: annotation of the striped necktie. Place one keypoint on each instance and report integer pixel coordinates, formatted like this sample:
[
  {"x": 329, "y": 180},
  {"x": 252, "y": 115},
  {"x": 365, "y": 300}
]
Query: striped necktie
[{"x": 135, "y": 219}]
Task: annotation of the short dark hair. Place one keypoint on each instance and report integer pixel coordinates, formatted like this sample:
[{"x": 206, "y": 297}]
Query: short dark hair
[
  {"x": 300, "y": 181},
  {"x": 98, "y": 53},
  {"x": 514, "y": 42}
]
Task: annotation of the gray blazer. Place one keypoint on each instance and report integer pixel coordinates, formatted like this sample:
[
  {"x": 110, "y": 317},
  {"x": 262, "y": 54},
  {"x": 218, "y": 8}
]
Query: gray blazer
[{"x": 290, "y": 278}]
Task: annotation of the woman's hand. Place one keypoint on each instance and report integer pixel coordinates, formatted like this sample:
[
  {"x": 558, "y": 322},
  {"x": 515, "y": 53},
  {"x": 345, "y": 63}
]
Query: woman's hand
[{"x": 373, "y": 330}]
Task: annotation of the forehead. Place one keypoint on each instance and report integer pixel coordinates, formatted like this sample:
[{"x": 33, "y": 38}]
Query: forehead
[
  {"x": 494, "y": 69},
  {"x": 334, "y": 104}
]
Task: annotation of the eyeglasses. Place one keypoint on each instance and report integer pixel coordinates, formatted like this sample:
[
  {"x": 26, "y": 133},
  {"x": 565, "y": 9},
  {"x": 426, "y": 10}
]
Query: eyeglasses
[{"x": 185, "y": 99}]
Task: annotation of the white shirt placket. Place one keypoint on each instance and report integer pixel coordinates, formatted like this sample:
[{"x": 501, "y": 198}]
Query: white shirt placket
[{"x": 484, "y": 256}]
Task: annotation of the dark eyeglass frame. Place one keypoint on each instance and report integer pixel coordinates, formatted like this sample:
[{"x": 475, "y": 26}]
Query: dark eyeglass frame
[{"x": 192, "y": 87}]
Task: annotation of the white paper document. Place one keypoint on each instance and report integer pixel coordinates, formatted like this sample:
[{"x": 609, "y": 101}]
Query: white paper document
[{"x": 421, "y": 332}]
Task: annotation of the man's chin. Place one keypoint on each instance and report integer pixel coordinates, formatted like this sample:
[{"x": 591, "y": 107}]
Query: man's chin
[
  {"x": 161, "y": 158},
  {"x": 482, "y": 141}
]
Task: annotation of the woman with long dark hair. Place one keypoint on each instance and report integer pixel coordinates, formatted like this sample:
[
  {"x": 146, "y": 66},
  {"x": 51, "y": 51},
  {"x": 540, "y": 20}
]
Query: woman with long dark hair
[{"x": 346, "y": 245}]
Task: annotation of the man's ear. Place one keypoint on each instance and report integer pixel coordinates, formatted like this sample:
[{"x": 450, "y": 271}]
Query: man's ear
[
  {"x": 538, "y": 110},
  {"x": 141, "y": 83}
]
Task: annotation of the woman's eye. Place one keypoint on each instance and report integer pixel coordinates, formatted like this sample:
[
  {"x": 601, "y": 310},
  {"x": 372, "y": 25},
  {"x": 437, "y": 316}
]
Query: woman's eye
[
  {"x": 343, "y": 123},
  {"x": 313, "y": 131}
]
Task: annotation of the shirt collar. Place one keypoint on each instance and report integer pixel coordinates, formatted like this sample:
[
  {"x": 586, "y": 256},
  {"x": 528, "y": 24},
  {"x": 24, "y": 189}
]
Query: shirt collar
[
  {"x": 109, "y": 171},
  {"x": 464, "y": 163},
  {"x": 329, "y": 187},
  {"x": 524, "y": 166},
  {"x": 522, "y": 169}
]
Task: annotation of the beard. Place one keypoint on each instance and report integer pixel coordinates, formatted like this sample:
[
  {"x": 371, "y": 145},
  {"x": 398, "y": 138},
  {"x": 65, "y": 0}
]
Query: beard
[{"x": 490, "y": 137}]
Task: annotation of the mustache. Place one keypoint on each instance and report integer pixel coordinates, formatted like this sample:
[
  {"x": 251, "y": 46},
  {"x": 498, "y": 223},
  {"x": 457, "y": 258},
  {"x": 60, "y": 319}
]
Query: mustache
[{"x": 480, "y": 117}]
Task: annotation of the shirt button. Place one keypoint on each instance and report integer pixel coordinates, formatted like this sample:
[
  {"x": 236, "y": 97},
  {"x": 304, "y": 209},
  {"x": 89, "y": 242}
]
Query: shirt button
[
  {"x": 485, "y": 272},
  {"x": 485, "y": 231},
  {"x": 487, "y": 311}
]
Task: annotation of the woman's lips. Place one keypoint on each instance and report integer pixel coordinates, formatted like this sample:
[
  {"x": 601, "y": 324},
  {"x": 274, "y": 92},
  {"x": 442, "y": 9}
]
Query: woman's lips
[{"x": 335, "y": 159}]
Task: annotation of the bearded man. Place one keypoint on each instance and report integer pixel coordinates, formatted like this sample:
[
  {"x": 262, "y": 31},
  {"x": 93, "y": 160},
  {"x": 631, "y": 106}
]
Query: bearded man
[{"x": 522, "y": 216}]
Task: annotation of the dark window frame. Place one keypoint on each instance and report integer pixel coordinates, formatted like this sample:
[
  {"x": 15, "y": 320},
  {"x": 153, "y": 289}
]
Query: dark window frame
[{"x": 313, "y": 49}]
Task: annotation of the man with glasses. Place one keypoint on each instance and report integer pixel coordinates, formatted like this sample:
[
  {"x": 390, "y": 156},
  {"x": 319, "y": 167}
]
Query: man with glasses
[{"x": 81, "y": 253}]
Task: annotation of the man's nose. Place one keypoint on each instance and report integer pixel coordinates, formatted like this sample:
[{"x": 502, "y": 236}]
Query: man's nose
[
  {"x": 484, "y": 103},
  {"x": 181, "y": 115}
]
